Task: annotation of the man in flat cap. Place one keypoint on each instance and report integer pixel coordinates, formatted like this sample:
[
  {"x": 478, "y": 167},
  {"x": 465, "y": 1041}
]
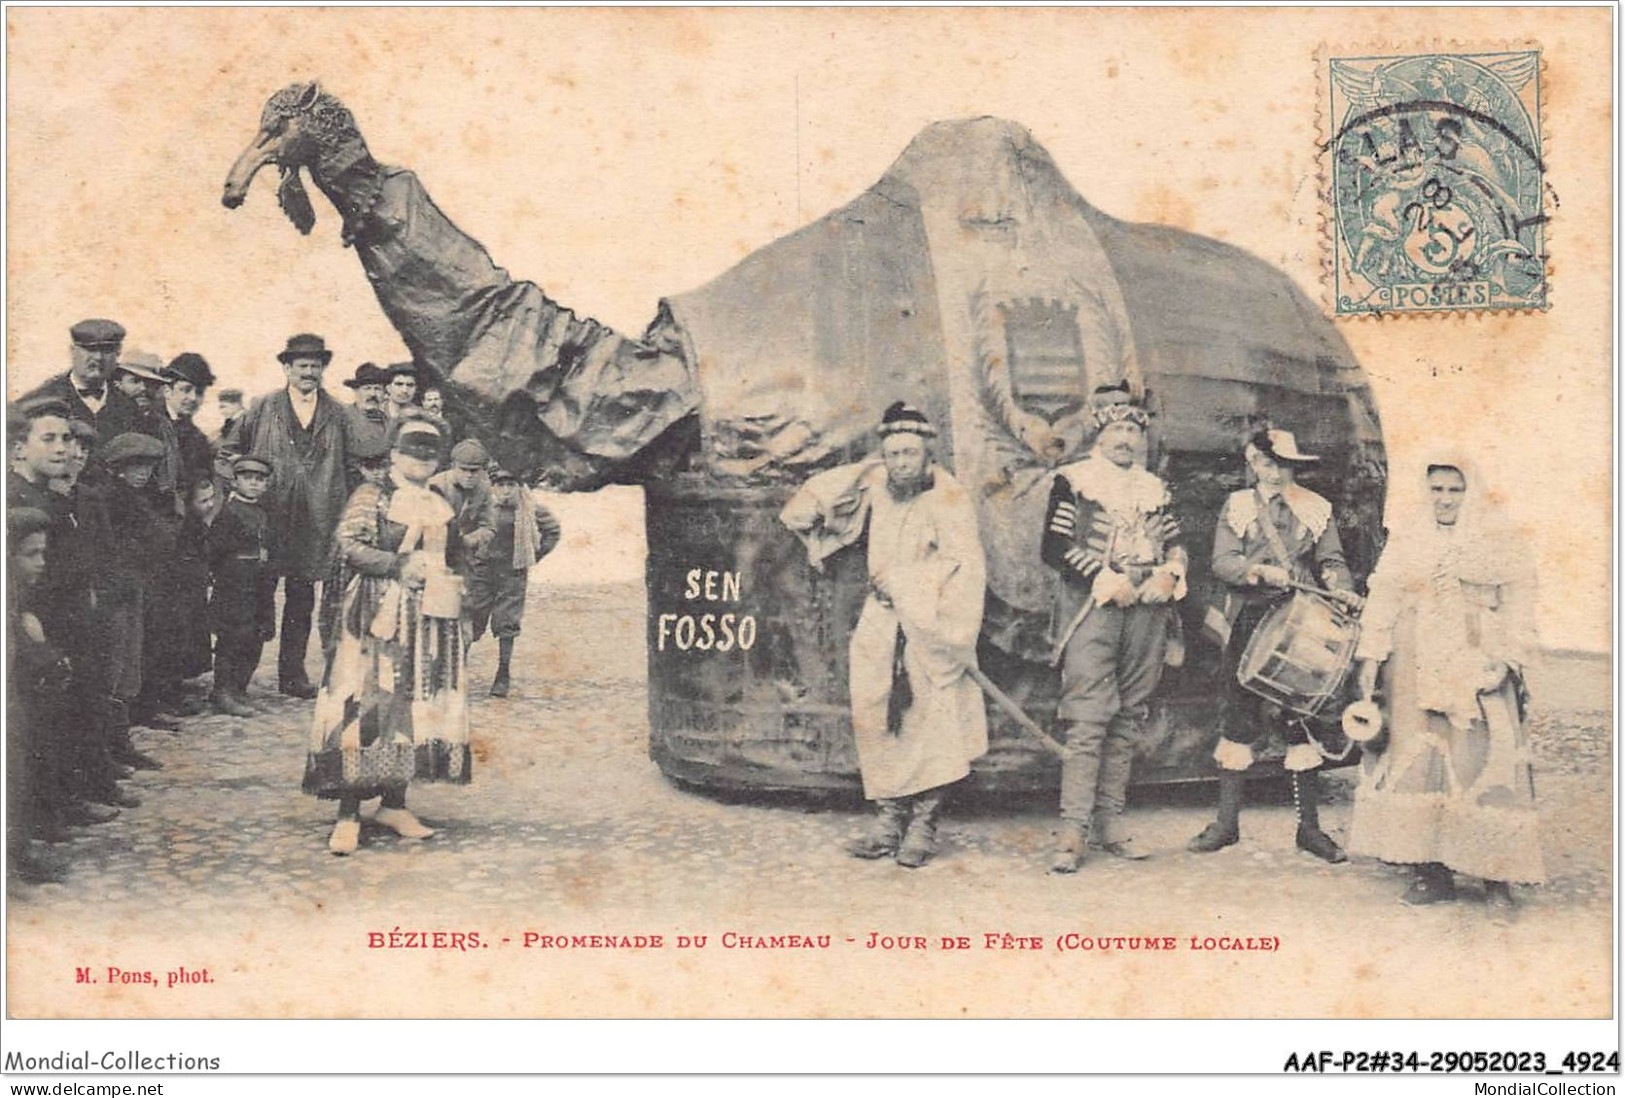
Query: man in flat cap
[
  {"x": 1268, "y": 538},
  {"x": 917, "y": 715},
  {"x": 302, "y": 432},
  {"x": 1109, "y": 532},
  {"x": 85, "y": 388}
]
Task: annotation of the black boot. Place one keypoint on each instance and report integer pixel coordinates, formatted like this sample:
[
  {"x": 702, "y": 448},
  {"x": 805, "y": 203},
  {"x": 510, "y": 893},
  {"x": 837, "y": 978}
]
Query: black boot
[
  {"x": 920, "y": 842},
  {"x": 1433, "y": 884},
  {"x": 499, "y": 685},
  {"x": 885, "y": 833},
  {"x": 123, "y": 751},
  {"x": 1306, "y": 795},
  {"x": 1226, "y": 830}
]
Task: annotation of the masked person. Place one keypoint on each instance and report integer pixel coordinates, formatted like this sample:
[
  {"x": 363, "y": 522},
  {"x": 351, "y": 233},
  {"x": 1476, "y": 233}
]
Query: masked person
[
  {"x": 917, "y": 715},
  {"x": 393, "y": 706},
  {"x": 1110, "y": 534},
  {"x": 1269, "y": 538},
  {"x": 1450, "y": 622}
]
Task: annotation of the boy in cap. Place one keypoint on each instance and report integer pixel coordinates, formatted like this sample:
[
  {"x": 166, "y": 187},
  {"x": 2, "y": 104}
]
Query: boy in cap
[
  {"x": 241, "y": 609},
  {"x": 124, "y": 539},
  {"x": 468, "y": 489},
  {"x": 525, "y": 532}
]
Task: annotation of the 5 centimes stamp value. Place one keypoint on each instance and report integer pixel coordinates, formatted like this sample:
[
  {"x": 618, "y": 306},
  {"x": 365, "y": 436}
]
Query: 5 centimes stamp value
[{"x": 1435, "y": 182}]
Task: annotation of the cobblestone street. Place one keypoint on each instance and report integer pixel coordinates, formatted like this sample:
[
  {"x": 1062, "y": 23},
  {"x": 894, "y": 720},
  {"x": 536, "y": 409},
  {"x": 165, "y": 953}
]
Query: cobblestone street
[{"x": 569, "y": 827}]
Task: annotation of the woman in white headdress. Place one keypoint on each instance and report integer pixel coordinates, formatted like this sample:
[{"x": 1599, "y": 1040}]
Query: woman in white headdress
[{"x": 1450, "y": 624}]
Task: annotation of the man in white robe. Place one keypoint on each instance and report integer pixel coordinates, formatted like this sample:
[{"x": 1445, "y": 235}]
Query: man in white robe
[{"x": 917, "y": 715}]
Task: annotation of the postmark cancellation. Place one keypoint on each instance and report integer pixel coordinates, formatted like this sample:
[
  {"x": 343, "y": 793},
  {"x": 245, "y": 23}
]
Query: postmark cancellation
[{"x": 1434, "y": 182}]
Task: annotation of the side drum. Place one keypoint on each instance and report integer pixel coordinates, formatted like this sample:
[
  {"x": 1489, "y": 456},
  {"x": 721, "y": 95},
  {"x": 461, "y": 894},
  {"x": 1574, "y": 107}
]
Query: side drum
[{"x": 1300, "y": 654}]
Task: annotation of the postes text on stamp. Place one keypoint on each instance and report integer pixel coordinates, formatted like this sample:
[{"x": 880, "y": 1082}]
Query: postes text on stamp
[{"x": 1435, "y": 183}]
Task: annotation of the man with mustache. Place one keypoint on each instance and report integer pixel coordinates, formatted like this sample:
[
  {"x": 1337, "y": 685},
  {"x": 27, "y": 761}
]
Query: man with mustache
[
  {"x": 303, "y": 433},
  {"x": 1110, "y": 533},
  {"x": 85, "y": 387}
]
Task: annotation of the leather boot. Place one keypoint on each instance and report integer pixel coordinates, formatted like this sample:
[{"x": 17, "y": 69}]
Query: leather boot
[
  {"x": 886, "y": 831},
  {"x": 499, "y": 684},
  {"x": 1226, "y": 830},
  {"x": 1311, "y": 839},
  {"x": 920, "y": 841},
  {"x": 124, "y": 751},
  {"x": 232, "y": 704},
  {"x": 1433, "y": 884},
  {"x": 1108, "y": 836},
  {"x": 1071, "y": 846}
]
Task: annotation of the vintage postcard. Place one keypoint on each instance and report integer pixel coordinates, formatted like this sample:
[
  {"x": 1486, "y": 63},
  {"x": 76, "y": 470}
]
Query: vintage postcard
[{"x": 798, "y": 513}]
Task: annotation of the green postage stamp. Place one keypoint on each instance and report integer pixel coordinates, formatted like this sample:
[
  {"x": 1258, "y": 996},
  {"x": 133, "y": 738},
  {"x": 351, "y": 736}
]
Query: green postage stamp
[{"x": 1436, "y": 188}]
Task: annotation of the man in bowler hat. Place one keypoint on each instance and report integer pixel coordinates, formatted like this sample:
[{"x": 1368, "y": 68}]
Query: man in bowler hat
[{"x": 304, "y": 435}]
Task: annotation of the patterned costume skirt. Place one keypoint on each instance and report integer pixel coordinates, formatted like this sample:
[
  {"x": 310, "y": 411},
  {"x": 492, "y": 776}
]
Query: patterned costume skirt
[{"x": 393, "y": 705}]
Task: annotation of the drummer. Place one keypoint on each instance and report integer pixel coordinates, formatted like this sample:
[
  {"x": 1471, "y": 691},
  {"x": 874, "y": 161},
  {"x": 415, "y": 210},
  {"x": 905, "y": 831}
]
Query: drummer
[{"x": 1270, "y": 540}]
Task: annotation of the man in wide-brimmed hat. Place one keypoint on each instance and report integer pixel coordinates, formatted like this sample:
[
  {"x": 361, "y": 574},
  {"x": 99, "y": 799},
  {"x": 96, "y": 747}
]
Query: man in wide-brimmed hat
[
  {"x": 917, "y": 714},
  {"x": 1269, "y": 539},
  {"x": 366, "y": 416},
  {"x": 304, "y": 434},
  {"x": 1110, "y": 534}
]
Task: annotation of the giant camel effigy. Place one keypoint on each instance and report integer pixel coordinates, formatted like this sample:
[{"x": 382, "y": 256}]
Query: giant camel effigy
[{"x": 972, "y": 281}]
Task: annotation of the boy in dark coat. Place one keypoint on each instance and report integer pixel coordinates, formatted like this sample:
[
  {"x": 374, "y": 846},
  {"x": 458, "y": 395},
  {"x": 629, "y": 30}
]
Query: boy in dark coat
[
  {"x": 525, "y": 533},
  {"x": 241, "y": 547}
]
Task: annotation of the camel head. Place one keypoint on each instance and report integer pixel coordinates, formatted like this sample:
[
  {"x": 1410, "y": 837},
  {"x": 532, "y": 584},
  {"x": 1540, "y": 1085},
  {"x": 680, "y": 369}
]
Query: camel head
[{"x": 301, "y": 127}]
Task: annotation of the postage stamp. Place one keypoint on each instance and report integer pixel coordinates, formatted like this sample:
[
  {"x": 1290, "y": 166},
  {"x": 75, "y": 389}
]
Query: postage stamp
[{"x": 1436, "y": 183}]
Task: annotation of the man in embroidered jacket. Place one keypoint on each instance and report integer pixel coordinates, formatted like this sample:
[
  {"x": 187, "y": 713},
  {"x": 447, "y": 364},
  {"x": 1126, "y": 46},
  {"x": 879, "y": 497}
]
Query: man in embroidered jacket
[
  {"x": 1110, "y": 534},
  {"x": 1268, "y": 538},
  {"x": 917, "y": 715}
]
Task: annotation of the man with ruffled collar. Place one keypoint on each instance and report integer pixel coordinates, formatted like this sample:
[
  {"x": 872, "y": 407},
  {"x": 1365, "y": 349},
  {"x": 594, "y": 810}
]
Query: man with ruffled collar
[
  {"x": 1110, "y": 533},
  {"x": 1270, "y": 539}
]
